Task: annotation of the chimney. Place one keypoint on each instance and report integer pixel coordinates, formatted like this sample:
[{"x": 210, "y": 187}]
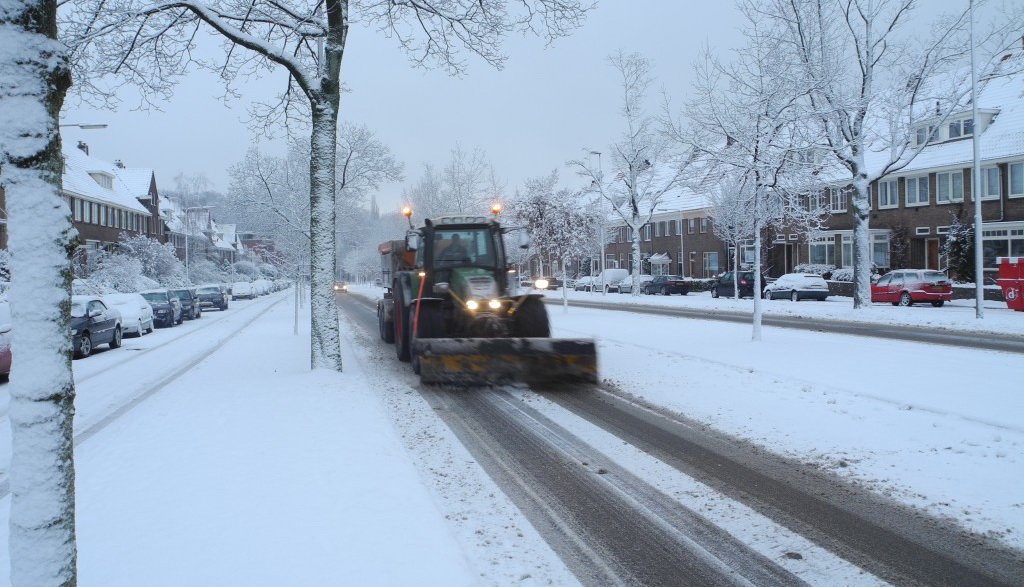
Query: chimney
[
  {"x": 118, "y": 163},
  {"x": 84, "y": 147}
]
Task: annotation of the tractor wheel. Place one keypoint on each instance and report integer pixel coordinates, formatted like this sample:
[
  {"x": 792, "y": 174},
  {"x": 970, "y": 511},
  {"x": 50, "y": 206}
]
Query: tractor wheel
[
  {"x": 386, "y": 327},
  {"x": 401, "y": 325},
  {"x": 531, "y": 320},
  {"x": 429, "y": 324}
]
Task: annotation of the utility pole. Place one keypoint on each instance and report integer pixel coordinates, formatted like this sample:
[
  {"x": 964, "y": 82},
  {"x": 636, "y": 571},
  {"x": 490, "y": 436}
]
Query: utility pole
[{"x": 979, "y": 262}]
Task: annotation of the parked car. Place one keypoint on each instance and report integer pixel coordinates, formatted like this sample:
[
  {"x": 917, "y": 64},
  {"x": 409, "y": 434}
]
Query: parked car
[
  {"x": 609, "y": 280},
  {"x": 136, "y": 313},
  {"x": 5, "y": 340},
  {"x": 723, "y": 285},
  {"x": 262, "y": 286},
  {"x": 667, "y": 285},
  {"x": 92, "y": 324},
  {"x": 166, "y": 306},
  {"x": 626, "y": 285},
  {"x": 190, "y": 309},
  {"x": 905, "y": 287},
  {"x": 585, "y": 283},
  {"x": 340, "y": 287},
  {"x": 797, "y": 286},
  {"x": 212, "y": 296},
  {"x": 242, "y": 289}
]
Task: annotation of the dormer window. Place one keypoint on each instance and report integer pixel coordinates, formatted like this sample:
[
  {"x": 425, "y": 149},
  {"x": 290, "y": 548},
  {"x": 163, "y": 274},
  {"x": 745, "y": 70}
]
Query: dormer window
[
  {"x": 961, "y": 128},
  {"x": 104, "y": 179}
]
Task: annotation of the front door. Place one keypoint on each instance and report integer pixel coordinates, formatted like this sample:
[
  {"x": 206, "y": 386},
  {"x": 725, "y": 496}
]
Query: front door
[{"x": 932, "y": 253}]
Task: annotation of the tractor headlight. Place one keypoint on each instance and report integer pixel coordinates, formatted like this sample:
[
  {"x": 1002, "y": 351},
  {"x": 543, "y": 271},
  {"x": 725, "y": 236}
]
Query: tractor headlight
[
  {"x": 472, "y": 305},
  {"x": 494, "y": 305},
  {"x": 541, "y": 284}
]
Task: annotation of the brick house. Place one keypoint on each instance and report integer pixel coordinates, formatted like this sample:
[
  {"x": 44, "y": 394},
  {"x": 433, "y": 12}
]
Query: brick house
[{"x": 911, "y": 210}]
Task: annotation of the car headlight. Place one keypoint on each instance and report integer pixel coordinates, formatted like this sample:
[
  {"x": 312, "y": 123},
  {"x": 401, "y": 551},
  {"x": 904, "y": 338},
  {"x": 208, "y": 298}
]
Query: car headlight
[
  {"x": 74, "y": 332},
  {"x": 472, "y": 305},
  {"x": 541, "y": 284}
]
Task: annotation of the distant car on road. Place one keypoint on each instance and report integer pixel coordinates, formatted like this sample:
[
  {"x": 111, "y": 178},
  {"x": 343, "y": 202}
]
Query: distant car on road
[
  {"x": 626, "y": 285},
  {"x": 136, "y": 313},
  {"x": 212, "y": 296},
  {"x": 242, "y": 290},
  {"x": 190, "y": 309},
  {"x": 667, "y": 285},
  {"x": 553, "y": 283},
  {"x": 166, "y": 306},
  {"x": 723, "y": 285},
  {"x": 340, "y": 287},
  {"x": 92, "y": 324},
  {"x": 906, "y": 287},
  {"x": 797, "y": 286}
]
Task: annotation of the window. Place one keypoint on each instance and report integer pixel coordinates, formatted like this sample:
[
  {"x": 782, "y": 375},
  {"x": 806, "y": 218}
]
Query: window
[
  {"x": 710, "y": 264},
  {"x": 1016, "y": 172},
  {"x": 78, "y": 210},
  {"x": 922, "y": 230},
  {"x": 888, "y": 194},
  {"x": 662, "y": 230},
  {"x": 645, "y": 232},
  {"x": 747, "y": 255},
  {"x": 954, "y": 129},
  {"x": 822, "y": 252},
  {"x": 837, "y": 200},
  {"x": 990, "y": 183},
  {"x": 847, "y": 260},
  {"x": 1008, "y": 242},
  {"x": 949, "y": 187},
  {"x": 671, "y": 227},
  {"x": 880, "y": 249},
  {"x": 941, "y": 230},
  {"x": 922, "y": 135},
  {"x": 793, "y": 237},
  {"x": 693, "y": 225},
  {"x": 103, "y": 179},
  {"x": 704, "y": 225},
  {"x": 917, "y": 191}
]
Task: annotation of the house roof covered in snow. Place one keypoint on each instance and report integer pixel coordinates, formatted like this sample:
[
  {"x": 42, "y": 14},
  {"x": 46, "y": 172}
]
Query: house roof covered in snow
[
  {"x": 138, "y": 180},
  {"x": 80, "y": 179}
]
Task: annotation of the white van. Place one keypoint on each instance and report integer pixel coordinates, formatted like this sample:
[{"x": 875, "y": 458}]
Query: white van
[{"x": 609, "y": 280}]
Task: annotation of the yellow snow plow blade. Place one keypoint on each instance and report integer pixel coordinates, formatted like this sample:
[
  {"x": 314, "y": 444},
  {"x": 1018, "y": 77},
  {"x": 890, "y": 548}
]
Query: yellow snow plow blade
[{"x": 489, "y": 361}]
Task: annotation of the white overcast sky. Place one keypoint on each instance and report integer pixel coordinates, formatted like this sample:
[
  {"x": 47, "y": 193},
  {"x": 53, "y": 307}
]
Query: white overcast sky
[{"x": 541, "y": 110}]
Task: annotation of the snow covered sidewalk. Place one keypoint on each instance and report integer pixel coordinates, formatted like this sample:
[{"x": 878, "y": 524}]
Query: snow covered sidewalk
[{"x": 250, "y": 470}]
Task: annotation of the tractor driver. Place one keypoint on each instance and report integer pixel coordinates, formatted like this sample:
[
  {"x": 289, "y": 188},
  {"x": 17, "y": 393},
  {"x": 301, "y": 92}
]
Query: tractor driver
[{"x": 455, "y": 251}]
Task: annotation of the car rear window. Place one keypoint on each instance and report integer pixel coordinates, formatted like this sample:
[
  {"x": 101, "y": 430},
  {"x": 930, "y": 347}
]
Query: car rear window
[
  {"x": 935, "y": 276},
  {"x": 209, "y": 290}
]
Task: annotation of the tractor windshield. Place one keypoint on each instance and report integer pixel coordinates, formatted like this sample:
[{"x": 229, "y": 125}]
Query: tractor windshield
[{"x": 470, "y": 246}]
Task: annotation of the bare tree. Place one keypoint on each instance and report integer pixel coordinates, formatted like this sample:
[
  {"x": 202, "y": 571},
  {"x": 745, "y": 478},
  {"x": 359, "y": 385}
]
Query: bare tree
[
  {"x": 150, "y": 44},
  {"x": 731, "y": 219},
  {"x": 36, "y": 76},
  {"x": 425, "y": 195},
  {"x": 559, "y": 227},
  {"x": 644, "y": 166},
  {"x": 467, "y": 179},
  {"x": 745, "y": 124},
  {"x": 871, "y": 85}
]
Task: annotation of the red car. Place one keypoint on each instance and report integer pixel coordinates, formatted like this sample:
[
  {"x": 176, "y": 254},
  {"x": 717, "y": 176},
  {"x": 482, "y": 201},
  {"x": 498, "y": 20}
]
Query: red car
[{"x": 905, "y": 287}]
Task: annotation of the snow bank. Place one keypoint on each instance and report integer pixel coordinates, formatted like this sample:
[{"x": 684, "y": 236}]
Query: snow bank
[{"x": 252, "y": 470}]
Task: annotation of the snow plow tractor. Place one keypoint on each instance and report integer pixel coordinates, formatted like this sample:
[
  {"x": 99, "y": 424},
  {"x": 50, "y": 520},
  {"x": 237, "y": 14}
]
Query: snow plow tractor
[{"x": 453, "y": 311}]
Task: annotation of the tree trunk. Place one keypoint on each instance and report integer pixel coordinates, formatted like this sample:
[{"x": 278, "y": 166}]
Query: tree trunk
[
  {"x": 736, "y": 271},
  {"x": 861, "y": 245},
  {"x": 325, "y": 339},
  {"x": 758, "y": 310},
  {"x": 565, "y": 286},
  {"x": 636, "y": 263},
  {"x": 42, "y": 473}
]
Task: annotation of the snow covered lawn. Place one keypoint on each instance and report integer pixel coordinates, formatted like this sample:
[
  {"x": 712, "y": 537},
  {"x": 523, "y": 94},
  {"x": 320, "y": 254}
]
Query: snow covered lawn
[
  {"x": 934, "y": 426},
  {"x": 250, "y": 470},
  {"x": 955, "y": 315}
]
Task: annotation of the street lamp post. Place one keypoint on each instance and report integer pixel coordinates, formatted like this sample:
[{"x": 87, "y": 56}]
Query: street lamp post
[
  {"x": 979, "y": 264},
  {"x": 600, "y": 211},
  {"x": 84, "y": 126}
]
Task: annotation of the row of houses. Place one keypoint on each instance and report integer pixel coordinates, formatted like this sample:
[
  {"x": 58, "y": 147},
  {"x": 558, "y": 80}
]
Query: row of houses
[
  {"x": 911, "y": 211},
  {"x": 108, "y": 199}
]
